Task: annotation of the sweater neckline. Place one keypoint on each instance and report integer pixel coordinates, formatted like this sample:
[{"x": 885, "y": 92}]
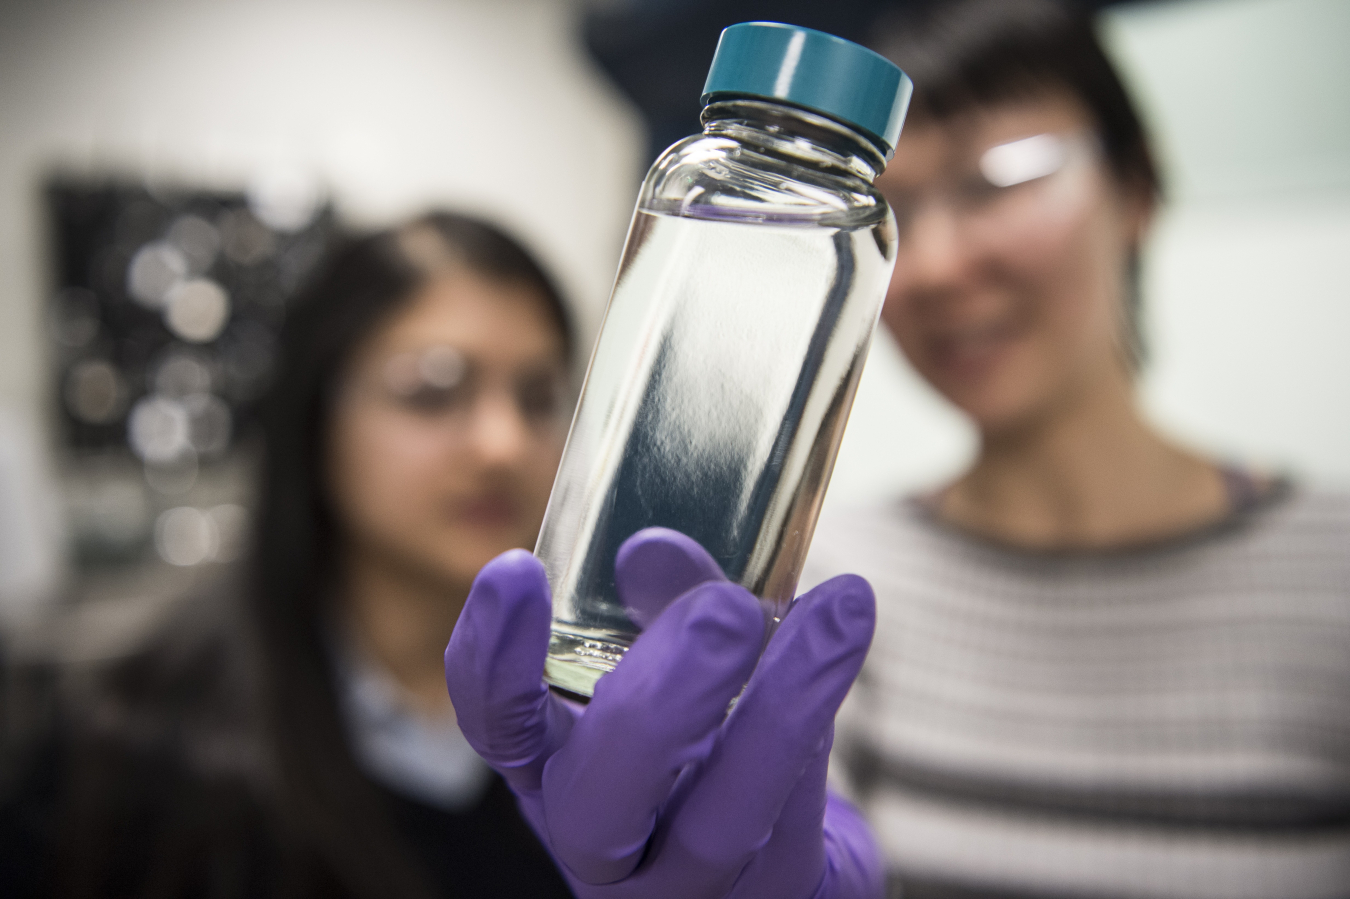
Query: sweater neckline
[{"x": 1249, "y": 500}]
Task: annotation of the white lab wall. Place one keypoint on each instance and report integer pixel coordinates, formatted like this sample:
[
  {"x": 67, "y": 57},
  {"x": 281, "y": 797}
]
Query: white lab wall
[
  {"x": 1247, "y": 279},
  {"x": 1248, "y": 286},
  {"x": 1250, "y": 319},
  {"x": 391, "y": 105}
]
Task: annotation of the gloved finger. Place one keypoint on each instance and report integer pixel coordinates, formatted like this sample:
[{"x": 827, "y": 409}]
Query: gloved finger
[
  {"x": 656, "y": 712},
  {"x": 656, "y": 565},
  {"x": 854, "y": 865},
  {"x": 780, "y": 723},
  {"x": 793, "y": 858},
  {"x": 836, "y": 851},
  {"x": 494, "y": 669}
]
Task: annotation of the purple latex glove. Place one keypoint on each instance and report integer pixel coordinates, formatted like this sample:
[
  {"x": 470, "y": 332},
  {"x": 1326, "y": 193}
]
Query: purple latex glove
[{"x": 652, "y": 791}]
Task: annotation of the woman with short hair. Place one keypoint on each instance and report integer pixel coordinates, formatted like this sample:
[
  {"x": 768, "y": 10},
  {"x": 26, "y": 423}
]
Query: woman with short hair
[{"x": 1105, "y": 665}]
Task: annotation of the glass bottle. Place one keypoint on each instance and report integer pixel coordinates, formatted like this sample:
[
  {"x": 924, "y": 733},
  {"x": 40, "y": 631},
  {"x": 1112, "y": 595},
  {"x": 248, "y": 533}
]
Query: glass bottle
[{"x": 750, "y": 284}]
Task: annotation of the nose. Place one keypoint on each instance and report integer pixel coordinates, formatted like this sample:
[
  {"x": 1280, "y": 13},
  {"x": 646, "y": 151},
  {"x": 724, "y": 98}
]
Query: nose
[
  {"x": 932, "y": 256},
  {"x": 499, "y": 433}
]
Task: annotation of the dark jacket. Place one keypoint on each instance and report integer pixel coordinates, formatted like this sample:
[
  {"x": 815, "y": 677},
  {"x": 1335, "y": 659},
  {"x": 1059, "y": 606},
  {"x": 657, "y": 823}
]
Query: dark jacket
[{"x": 153, "y": 776}]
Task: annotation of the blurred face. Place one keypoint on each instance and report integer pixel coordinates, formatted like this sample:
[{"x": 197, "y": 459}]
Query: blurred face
[
  {"x": 1014, "y": 238},
  {"x": 449, "y": 428}
]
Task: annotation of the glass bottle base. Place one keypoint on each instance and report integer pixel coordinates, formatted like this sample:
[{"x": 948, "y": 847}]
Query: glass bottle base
[{"x": 578, "y": 658}]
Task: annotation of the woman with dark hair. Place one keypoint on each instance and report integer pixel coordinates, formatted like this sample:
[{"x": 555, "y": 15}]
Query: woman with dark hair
[
  {"x": 1104, "y": 665},
  {"x": 292, "y": 736}
]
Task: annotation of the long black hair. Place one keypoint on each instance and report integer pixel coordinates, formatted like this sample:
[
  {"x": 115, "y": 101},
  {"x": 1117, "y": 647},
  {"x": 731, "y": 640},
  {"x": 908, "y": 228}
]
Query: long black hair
[
  {"x": 967, "y": 54},
  {"x": 211, "y": 758},
  {"x": 326, "y": 803}
]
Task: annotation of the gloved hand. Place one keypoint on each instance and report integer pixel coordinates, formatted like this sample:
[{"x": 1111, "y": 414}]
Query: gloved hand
[{"x": 653, "y": 791}]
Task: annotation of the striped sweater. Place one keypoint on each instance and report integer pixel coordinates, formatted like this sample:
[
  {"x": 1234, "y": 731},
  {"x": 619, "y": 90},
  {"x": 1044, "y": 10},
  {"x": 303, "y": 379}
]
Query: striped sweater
[{"x": 1169, "y": 721}]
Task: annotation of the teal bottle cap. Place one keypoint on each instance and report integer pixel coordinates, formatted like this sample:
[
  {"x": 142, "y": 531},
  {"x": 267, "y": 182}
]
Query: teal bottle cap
[{"x": 813, "y": 70}]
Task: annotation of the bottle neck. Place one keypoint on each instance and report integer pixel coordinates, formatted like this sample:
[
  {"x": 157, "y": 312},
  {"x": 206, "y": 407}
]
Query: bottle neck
[{"x": 796, "y": 134}]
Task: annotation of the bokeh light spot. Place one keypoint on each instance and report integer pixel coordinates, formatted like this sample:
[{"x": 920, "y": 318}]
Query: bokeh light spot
[
  {"x": 154, "y": 271},
  {"x": 185, "y": 536},
  {"x": 197, "y": 310},
  {"x": 95, "y": 392}
]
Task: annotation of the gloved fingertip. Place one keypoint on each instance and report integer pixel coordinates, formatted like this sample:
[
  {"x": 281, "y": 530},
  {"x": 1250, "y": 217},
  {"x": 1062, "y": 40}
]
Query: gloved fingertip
[
  {"x": 723, "y": 615},
  {"x": 512, "y": 564},
  {"x": 509, "y": 601},
  {"x": 706, "y": 645},
  {"x": 854, "y": 602},
  {"x": 843, "y": 608},
  {"x": 811, "y": 661},
  {"x": 656, "y": 565}
]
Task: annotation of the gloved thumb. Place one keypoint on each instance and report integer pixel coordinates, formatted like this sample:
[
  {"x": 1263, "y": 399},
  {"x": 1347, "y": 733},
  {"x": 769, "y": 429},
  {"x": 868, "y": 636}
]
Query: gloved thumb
[{"x": 494, "y": 667}]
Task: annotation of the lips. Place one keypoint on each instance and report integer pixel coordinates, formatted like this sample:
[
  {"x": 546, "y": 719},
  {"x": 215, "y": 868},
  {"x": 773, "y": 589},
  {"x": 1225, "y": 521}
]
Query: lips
[
  {"x": 489, "y": 511},
  {"x": 971, "y": 351}
]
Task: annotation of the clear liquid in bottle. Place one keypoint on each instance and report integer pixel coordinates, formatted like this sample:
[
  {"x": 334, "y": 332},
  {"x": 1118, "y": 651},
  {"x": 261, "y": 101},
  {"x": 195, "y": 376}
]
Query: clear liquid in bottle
[{"x": 716, "y": 398}]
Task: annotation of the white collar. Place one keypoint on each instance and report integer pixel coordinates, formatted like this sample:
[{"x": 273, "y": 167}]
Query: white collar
[{"x": 422, "y": 757}]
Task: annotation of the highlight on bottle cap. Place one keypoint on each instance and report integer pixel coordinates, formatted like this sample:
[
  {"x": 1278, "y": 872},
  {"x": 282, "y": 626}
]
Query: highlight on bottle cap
[{"x": 813, "y": 70}]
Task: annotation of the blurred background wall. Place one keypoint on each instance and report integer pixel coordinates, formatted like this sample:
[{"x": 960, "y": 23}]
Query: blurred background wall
[
  {"x": 390, "y": 106},
  {"x": 381, "y": 109},
  {"x": 384, "y": 108}
]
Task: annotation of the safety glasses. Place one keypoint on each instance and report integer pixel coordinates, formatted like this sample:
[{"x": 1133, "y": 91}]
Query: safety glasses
[
  {"x": 443, "y": 386},
  {"x": 1003, "y": 190}
]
